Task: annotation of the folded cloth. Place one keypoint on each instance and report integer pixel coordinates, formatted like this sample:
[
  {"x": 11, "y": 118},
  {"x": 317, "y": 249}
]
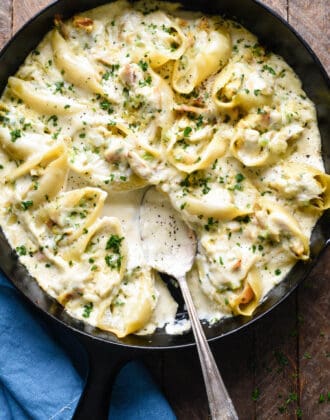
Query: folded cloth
[{"x": 38, "y": 380}]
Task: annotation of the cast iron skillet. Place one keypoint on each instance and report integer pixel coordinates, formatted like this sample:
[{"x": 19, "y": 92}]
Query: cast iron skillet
[{"x": 106, "y": 351}]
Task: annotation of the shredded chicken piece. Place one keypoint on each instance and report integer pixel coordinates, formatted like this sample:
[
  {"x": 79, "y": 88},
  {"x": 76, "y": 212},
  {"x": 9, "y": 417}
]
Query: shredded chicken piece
[
  {"x": 84, "y": 23},
  {"x": 247, "y": 295}
]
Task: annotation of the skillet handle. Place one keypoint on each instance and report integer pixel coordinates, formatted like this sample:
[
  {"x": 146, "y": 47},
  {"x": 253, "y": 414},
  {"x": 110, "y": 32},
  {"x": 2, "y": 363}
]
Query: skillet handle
[{"x": 104, "y": 364}]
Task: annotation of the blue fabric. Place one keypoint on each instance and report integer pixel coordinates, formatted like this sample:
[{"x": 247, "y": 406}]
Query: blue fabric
[{"x": 38, "y": 380}]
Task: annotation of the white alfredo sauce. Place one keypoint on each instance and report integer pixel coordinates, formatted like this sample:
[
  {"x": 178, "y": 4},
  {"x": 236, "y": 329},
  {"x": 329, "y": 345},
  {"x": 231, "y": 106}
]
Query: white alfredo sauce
[{"x": 123, "y": 97}]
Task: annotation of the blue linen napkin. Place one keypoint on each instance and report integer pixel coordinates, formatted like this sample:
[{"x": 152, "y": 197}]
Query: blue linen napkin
[{"x": 38, "y": 380}]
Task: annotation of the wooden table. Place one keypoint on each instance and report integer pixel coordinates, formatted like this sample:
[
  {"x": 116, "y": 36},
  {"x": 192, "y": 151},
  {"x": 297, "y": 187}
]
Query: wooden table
[{"x": 280, "y": 368}]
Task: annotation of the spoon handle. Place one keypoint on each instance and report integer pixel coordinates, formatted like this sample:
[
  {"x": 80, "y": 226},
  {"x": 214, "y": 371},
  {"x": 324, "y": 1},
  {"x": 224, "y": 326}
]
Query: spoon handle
[{"x": 221, "y": 406}]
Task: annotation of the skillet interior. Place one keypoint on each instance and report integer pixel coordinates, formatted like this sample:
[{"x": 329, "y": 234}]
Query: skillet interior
[{"x": 278, "y": 37}]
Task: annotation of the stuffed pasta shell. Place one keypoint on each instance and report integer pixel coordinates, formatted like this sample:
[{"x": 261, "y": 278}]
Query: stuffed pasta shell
[{"x": 136, "y": 94}]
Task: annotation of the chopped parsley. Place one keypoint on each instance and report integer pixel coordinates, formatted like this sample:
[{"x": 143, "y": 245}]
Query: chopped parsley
[
  {"x": 146, "y": 82},
  {"x": 106, "y": 75},
  {"x": 187, "y": 131},
  {"x": 239, "y": 177},
  {"x": 244, "y": 219},
  {"x": 59, "y": 87},
  {"x": 114, "y": 262},
  {"x": 277, "y": 272},
  {"x": 168, "y": 29},
  {"x": 211, "y": 224},
  {"x": 111, "y": 71},
  {"x": 15, "y": 134},
  {"x": 114, "y": 243},
  {"x": 199, "y": 121},
  {"x": 282, "y": 73},
  {"x": 87, "y": 309},
  {"x": 54, "y": 120},
  {"x": 203, "y": 183},
  {"x": 106, "y": 106},
  {"x": 281, "y": 358},
  {"x": 26, "y": 204},
  {"x": 269, "y": 69},
  {"x": 257, "y": 50},
  {"x": 255, "y": 394},
  {"x": 143, "y": 65},
  {"x": 21, "y": 250}
]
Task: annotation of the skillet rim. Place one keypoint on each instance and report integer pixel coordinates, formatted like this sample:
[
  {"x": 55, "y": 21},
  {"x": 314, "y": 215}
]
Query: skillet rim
[{"x": 250, "y": 322}]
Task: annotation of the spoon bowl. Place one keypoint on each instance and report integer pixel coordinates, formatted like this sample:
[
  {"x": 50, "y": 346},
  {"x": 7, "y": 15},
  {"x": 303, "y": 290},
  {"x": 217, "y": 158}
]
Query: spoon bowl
[{"x": 168, "y": 244}]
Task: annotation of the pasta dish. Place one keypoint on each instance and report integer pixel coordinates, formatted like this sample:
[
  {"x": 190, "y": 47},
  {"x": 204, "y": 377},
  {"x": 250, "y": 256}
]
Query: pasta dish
[{"x": 126, "y": 96}]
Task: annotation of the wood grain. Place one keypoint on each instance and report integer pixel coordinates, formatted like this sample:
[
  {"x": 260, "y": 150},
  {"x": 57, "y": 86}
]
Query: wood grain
[
  {"x": 314, "y": 341},
  {"x": 183, "y": 385},
  {"x": 235, "y": 358},
  {"x": 23, "y": 10},
  {"x": 5, "y": 21},
  {"x": 311, "y": 19},
  {"x": 276, "y": 362},
  {"x": 280, "y": 366}
]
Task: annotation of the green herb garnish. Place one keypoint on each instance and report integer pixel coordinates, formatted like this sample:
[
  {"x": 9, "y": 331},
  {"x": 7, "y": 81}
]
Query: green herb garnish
[
  {"x": 187, "y": 131},
  {"x": 87, "y": 309},
  {"x": 114, "y": 243},
  {"x": 21, "y": 250},
  {"x": 26, "y": 204},
  {"x": 15, "y": 134}
]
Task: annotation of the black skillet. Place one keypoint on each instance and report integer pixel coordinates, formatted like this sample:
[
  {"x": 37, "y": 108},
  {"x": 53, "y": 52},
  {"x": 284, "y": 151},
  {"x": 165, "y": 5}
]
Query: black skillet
[{"x": 107, "y": 352}]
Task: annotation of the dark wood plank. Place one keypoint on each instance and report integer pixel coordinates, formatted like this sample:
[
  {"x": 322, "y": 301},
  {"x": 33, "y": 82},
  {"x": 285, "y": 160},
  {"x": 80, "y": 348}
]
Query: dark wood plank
[
  {"x": 276, "y": 362},
  {"x": 183, "y": 381},
  {"x": 314, "y": 341},
  {"x": 235, "y": 358},
  {"x": 183, "y": 385},
  {"x": 311, "y": 18},
  {"x": 5, "y": 21},
  {"x": 23, "y": 10}
]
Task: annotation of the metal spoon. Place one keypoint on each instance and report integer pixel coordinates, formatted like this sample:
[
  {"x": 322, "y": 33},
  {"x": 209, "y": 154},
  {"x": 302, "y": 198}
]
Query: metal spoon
[{"x": 169, "y": 246}]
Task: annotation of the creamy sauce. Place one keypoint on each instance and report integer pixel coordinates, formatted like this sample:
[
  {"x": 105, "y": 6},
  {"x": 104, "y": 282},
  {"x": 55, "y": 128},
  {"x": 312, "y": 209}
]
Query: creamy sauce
[
  {"x": 126, "y": 207},
  {"x": 169, "y": 246},
  {"x": 126, "y": 96}
]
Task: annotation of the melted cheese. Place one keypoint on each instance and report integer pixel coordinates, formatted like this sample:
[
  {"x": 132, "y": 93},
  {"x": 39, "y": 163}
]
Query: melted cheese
[{"x": 125, "y": 96}]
